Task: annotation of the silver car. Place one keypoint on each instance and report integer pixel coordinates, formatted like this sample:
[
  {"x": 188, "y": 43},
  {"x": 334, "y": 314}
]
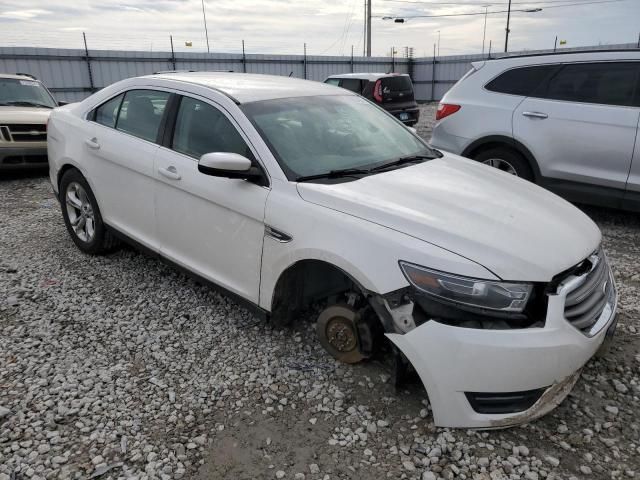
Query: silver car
[{"x": 568, "y": 122}]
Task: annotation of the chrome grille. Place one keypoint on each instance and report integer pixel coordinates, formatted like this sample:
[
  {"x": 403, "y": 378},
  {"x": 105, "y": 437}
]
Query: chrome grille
[
  {"x": 589, "y": 292},
  {"x": 24, "y": 132}
]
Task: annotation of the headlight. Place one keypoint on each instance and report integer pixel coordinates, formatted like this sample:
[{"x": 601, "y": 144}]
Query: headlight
[{"x": 487, "y": 294}]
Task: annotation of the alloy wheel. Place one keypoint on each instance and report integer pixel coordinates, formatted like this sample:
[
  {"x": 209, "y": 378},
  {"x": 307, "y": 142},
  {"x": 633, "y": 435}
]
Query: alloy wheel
[
  {"x": 80, "y": 212},
  {"x": 501, "y": 164}
]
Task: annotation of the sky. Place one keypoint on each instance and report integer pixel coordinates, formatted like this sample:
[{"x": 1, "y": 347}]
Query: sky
[{"x": 328, "y": 27}]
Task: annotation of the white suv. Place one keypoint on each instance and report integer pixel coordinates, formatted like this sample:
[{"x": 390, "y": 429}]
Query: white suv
[
  {"x": 287, "y": 193},
  {"x": 568, "y": 121}
]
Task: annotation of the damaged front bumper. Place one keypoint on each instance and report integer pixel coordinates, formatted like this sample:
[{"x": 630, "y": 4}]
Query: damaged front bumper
[{"x": 485, "y": 378}]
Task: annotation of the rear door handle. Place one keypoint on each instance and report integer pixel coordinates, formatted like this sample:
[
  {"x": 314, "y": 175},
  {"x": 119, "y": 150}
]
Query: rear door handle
[
  {"x": 535, "y": 114},
  {"x": 92, "y": 143},
  {"x": 170, "y": 172}
]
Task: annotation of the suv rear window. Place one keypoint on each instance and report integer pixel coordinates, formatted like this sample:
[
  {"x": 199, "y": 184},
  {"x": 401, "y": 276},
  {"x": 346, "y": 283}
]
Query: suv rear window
[
  {"x": 521, "y": 81},
  {"x": 397, "y": 84}
]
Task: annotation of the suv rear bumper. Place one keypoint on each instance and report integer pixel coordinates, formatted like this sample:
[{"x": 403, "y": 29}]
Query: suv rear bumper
[
  {"x": 20, "y": 158},
  {"x": 443, "y": 140},
  {"x": 522, "y": 373}
]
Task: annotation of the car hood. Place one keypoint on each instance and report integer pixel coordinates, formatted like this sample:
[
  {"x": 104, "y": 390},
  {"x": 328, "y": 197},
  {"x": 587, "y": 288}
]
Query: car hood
[
  {"x": 510, "y": 226},
  {"x": 11, "y": 114}
]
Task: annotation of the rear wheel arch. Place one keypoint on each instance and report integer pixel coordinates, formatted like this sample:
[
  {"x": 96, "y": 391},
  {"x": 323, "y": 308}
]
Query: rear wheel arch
[
  {"x": 500, "y": 141},
  {"x": 64, "y": 169}
]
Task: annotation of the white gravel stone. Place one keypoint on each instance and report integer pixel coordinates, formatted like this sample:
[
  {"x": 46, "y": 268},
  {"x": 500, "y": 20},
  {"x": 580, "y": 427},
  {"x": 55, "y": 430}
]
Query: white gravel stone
[
  {"x": 409, "y": 466},
  {"x": 314, "y": 469},
  {"x": 553, "y": 461}
]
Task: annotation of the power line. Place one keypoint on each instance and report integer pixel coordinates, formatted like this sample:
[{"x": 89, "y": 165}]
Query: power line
[
  {"x": 465, "y": 3},
  {"x": 496, "y": 11}
]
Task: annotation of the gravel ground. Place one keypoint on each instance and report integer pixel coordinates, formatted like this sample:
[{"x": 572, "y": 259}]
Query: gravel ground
[{"x": 120, "y": 367}]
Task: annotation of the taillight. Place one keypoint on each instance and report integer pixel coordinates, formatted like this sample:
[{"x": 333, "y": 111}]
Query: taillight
[
  {"x": 446, "y": 109},
  {"x": 377, "y": 91}
]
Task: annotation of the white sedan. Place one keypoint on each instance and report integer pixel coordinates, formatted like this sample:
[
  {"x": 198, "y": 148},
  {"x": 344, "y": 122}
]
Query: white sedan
[{"x": 285, "y": 193}]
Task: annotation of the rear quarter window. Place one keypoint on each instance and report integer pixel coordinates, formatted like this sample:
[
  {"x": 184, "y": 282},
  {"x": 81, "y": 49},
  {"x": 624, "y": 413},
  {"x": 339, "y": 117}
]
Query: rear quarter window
[
  {"x": 352, "y": 84},
  {"x": 524, "y": 81}
]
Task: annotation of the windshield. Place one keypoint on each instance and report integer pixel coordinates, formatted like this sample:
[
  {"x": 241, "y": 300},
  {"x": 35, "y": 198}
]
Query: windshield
[
  {"x": 316, "y": 135},
  {"x": 19, "y": 92}
]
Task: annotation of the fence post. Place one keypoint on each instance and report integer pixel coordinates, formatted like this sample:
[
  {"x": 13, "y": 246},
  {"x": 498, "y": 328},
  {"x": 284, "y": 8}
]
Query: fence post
[
  {"x": 244, "y": 59},
  {"x": 433, "y": 74},
  {"x": 393, "y": 60},
  {"x": 351, "y": 58},
  {"x": 173, "y": 55},
  {"x": 86, "y": 56},
  {"x": 305, "y": 61}
]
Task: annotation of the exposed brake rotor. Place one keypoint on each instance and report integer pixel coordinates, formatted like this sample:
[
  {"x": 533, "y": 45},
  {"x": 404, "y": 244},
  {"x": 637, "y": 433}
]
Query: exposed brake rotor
[{"x": 338, "y": 333}]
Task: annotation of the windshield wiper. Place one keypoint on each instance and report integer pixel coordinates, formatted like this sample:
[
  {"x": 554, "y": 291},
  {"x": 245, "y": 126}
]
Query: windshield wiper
[
  {"x": 25, "y": 103},
  {"x": 345, "y": 172},
  {"x": 403, "y": 161}
]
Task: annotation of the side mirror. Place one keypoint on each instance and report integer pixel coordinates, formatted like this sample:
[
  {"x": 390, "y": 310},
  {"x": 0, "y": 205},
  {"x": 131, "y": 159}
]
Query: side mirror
[
  {"x": 228, "y": 165},
  {"x": 62, "y": 104}
]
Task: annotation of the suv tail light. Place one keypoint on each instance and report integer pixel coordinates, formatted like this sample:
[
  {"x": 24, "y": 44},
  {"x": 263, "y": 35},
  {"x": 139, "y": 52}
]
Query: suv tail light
[
  {"x": 446, "y": 109},
  {"x": 377, "y": 91}
]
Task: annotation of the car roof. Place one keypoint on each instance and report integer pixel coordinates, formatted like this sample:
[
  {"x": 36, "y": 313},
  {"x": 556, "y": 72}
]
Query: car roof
[
  {"x": 252, "y": 87},
  {"x": 16, "y": 76},
  {"x": 565, "y": 57},
  {"x": 367, "y": 76}
]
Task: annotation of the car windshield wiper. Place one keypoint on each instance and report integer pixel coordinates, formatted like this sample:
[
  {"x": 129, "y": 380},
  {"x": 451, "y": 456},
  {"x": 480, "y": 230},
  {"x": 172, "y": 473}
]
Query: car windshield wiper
[
  {"x": 345, "y": 172},
  {"x": 403, "y": 161},
  {"x": 24, "y": 103}
]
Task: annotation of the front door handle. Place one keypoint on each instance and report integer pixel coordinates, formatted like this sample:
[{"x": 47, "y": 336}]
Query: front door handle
[
  {"x": 535, "y": 114},
  {"x": 92, "y": 143},
  {"x": 170, "y": 172}
]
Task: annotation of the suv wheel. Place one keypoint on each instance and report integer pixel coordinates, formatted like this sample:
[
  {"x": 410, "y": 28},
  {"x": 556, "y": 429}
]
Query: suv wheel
[
  {"x": 506, "y": 160},
  {"x": 82, "y": 215}
]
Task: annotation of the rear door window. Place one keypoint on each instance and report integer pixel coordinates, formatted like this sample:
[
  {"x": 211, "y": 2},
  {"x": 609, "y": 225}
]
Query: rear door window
[
  {"x": 353, "y": 84},
  {"x": 608, "y": 83},
  {"x": 141, "y": 113},
  {"x": 525, "y": 81}
]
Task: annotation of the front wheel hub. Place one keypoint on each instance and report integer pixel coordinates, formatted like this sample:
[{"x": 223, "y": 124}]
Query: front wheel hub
[{"x": 338, "y": 333}]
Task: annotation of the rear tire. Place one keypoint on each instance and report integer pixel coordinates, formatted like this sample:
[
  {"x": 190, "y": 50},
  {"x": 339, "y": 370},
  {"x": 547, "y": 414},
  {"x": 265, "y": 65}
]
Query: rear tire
[
  {"x": 507, "y": 160},
  {"x": 82, "y": 215}
]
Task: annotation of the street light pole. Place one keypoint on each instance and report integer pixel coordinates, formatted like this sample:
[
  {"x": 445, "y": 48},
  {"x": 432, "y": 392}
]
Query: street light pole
[
  {"x": 368, "y": 28},
  {"x": 484, "y": 31},
  {"x": 506, "y": 36},
  {"x": 206, "y": 32}
]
